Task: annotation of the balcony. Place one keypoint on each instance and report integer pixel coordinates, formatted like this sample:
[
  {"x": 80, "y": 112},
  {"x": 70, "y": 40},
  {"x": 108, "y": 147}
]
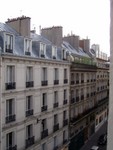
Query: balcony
[
  {"x": 10, "y": 86},
  {"x": 29, "y": 112},
  {"x": 72, "y": 82},
  {"x": 29, "y": 141},
  {"x": 42, "y": 55},
  {"x": 65, "y": 102},
  {"x": 56, "y": 82},
  {"x": 82, "y": 81},
  {"x": 9, "y": 50},
  {"x": 44, "y": 83},
  {"x": 28, "y": 53},
  {"x": 65, "y": 81},
  {"x": 77, "y": 99},
  {"x": 55, "y": 148},
  {"x": 55, "y": 105},
  {"x": 29, "y": 84},
  {"x": 65, "y": 122},
  {"x": 72, "y": 100},
  {"x": 44, "y": 108},
  {"x": 10, "y": 118},
  {"x": 44, "y": 134},
  {"x": 12, "y": 147},
  {"x": 77, "y": 81},
  {"x": 56, "y": 127}
]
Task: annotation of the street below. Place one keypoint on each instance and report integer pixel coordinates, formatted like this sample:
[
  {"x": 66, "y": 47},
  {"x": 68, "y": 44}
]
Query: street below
[{"x": 94, "y": 139}]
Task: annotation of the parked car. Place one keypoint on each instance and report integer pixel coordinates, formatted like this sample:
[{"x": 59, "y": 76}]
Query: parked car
[
  {"x": 94, "y": 148},
  {"x": 102, "y": 139}
]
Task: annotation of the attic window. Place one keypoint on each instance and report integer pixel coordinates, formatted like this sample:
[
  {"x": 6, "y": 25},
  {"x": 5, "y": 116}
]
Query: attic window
[
  {"x": 9, "y": 43},
  {"x": 64, "y": 54},
  {"x": 28, "y": 43},
  {"x": 42, "y": 49},
  {"x": 54, "y": 52}
]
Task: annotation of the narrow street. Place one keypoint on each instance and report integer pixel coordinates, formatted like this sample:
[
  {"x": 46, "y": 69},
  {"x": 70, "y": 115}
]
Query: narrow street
[{"x": 94, "y": 138}]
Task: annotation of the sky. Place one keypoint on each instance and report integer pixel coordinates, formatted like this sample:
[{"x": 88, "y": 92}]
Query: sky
[{"x": 86, "y": 18}]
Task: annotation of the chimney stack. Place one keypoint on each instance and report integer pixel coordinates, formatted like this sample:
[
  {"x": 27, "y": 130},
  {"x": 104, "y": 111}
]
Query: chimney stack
[
  {"x": 53, "y": 34},
  {"x": 21, "y": 25},
  {"x": 85, "y": 44}
]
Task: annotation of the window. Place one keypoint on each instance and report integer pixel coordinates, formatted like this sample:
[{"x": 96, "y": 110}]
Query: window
[
  {"x": 29, "y": 131},
  {"x": 55, "y": 141},
  {"x": 29, "y": 74},
  {"x": 55, "y": 119},
  {"x": 44, "y": 102},
  {"x": 28, "y": 45},
  {"x": 29, "y": 77},
  {"x": 44, "y": 124},
  {"x": 64, "y": 54},
  {"x": 64, "y": 137},
  {"x": 54, "y": 52},
  {"x": 44, "y": 99},
  {"x": 82, "y": 78},
  {"x": 44, "y": 77},
  {"x": 55, "y": 96},
  {"x": 9, "y": 43},
  {"x": 65, "y": 76},
  {"x": 42, "y": 49},
  {"x": 10, "y": 141},
  {"x": 44, "y": 146},
  {"x": 29, "y": 106},
  {"x": 65, "y": 94},
  {"x": 29, "y": 135},
  {"x": 65, "y": 73},
  {"x": 10, "y": 74},
  {"x": 56, "y": 74},
  {"x": 64, "y": 115},
  {"x": 10, "y": 110},
  {"x": 44, "y": 74},
  {"x": 10, "y": 78}
]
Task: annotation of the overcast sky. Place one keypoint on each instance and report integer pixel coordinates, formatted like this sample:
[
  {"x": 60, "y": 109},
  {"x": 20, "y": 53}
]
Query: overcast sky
[{"x": 86, "y": 18}]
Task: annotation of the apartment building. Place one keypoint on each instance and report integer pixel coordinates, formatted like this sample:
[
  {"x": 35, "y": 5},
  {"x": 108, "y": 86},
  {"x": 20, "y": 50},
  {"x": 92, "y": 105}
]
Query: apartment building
[
  {"x": 88, "y": 106},
  {"x": 102, "y": 89},
  {"x": 34, "y": 90}
]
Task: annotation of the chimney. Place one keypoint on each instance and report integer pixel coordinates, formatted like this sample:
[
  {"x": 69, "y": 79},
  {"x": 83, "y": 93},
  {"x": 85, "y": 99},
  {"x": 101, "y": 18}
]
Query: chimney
[
  {"x": 53, "y": 34},
  {"x": 72, "y": 40},
  {"x": 85, "y": 44},
  {"x": 21, "y": 25}
]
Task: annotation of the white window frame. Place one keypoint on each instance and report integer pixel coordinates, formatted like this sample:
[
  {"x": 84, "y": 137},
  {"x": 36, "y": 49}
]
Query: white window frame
[
  {"x": 56, "y": 73},
  {"x": 10, "y": 112},
  {"x": 29, "y": 102},
  {"x": 10, "y": 73},
  {"x": 44, "y": 74},
  {"x": 29, "y": 73},
  {"x": 7, "y": 139},
  {"x": 54, "y": 51},
  {"x": 31, "y": 131},
  {"x": 42, "y": 49},
  {"x": 9, "y": 40},
  {"x": 44, "y": 99},
  {"x": 27, "y": 45}
]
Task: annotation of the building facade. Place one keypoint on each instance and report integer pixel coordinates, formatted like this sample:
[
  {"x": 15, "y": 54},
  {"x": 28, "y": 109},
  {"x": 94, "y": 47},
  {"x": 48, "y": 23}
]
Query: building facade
[{"x": 34, "y": 90}]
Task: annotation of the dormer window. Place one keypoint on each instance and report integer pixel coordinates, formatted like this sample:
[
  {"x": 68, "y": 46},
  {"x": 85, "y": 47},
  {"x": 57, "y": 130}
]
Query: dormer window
[
  {"x": 42, "y": 49},
  {"x": 63, "y": 54},
  {"x": 9, "y": 43},
  {"x": 54, "y": 52},
  {"x": 28, "y": 45}
]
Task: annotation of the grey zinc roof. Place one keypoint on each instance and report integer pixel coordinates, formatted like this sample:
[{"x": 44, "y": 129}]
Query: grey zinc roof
[
  {"x": 73, "y": 51},
  {"x": 6, "y": 28}
]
